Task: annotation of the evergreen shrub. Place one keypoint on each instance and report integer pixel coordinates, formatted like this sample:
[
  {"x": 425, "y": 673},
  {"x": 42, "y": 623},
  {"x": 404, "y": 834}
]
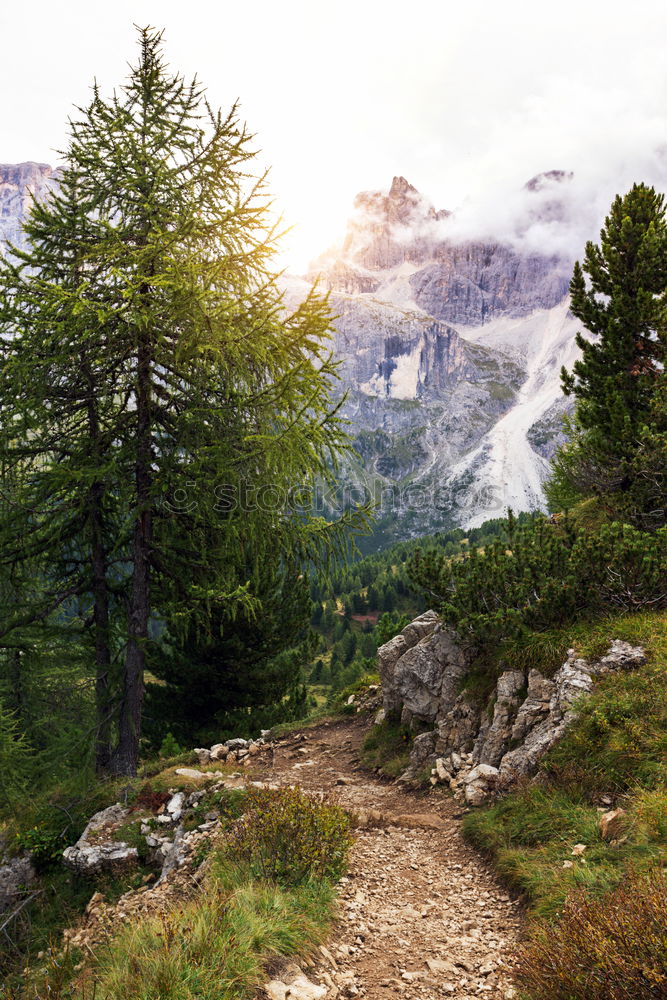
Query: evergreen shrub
[{"x": 290, "y": 837}]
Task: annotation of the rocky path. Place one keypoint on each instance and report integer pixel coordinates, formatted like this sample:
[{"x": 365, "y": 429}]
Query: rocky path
[{"x": 421, "y": 916}]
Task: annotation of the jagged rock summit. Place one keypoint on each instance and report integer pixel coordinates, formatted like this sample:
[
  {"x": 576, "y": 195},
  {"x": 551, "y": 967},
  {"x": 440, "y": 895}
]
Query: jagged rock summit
[
  {"x": 451, "y": 350},
  {"x": 397, "y": 246}
]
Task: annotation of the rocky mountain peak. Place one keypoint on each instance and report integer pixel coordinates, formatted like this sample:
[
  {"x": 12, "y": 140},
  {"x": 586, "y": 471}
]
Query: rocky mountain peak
[
  {"x": 399, "y": 187},
  {"x": 398, "y": 249},
  {"x": 402, "y": 205},
  {"x": 548, "y": 178},
  {"x": 548, "y": 201}
]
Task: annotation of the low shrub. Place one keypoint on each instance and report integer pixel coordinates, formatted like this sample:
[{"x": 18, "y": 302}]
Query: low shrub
[
  {"x": 170, "y": 747},
  {"x": 291, "y": 837},
  {"x": 613, "y": 948},
  {"x": 150, "y": 798},
  {"x": 543, "y": 575}
]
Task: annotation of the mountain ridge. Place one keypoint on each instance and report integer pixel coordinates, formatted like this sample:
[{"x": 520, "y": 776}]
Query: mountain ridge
[{"x": 450, "y": 352}]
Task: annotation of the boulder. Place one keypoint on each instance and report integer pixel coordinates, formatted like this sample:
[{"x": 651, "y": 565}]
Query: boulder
[
  {"x": 191, "y": 772},
  {"x": 427, "y": 676},
  {"x": 203, "y": 755},
  {"x": 480, "y": 784},
  {"x": 16, "y": 876},
  {"x": 621, "y": 656},
  {"x": 613, "y": 824},
  {"x": 443, "y": 773},
  {"x": 90, "y": 859},
  {"x": 459, "y": 728},
  {"x": 112, "y": 816},
  {"x": 300, "y": 988},
  {"x": 175, "y": 806},
  {"x": 420, "y": 628},
  {"x": 391, "y": 652},
  {"x": 421, "y": 755}
]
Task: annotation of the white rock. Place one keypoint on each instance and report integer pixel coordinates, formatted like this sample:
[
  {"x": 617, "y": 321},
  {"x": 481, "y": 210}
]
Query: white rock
[
  {"x": 303, "y": 989},
  {"x": 175, "y": 806},
  {"x": 86, "y": 859},
  {"x": 189, "y": 772},
  {"x": 275, "y": 990}
]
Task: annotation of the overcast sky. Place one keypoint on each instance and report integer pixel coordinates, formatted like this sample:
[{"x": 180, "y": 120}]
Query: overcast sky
[{"x": 467, "y": 101}]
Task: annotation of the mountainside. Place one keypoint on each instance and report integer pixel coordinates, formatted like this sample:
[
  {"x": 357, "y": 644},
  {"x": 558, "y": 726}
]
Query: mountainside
[
  {"x": 451, "y": 352},
  {"x": 19, "y": 184}
]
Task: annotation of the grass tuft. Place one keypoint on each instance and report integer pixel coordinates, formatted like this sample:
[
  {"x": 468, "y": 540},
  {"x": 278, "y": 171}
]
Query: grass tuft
[
  {"x": 387, "y": 746},
  {"x": 215, "y": 947}
]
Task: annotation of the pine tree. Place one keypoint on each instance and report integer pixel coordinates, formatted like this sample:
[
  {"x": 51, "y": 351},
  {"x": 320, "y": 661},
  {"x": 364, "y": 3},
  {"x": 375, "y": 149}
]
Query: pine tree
[
  {"x": 622, "y": 304},
  {"x": 206, "y": 389},
  {"x": 230, "y": 667}
]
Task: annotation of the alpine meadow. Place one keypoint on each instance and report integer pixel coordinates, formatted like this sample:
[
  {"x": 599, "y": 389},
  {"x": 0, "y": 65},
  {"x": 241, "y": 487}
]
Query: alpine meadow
[{"x": 333, "y": 602}]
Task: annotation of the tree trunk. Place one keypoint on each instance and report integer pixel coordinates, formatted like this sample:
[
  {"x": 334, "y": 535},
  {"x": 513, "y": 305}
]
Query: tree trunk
[
  {"x": 102, "y": 638},
  {"x": 126, "y": 754},
  {"x": 100, "y": 597}
]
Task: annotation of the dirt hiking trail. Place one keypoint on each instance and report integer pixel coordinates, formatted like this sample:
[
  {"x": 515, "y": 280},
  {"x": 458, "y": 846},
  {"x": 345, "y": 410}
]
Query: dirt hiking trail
[{"x": 420, "y": 913}]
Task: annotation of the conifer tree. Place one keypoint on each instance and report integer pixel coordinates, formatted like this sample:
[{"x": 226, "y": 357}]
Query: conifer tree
[
  {"x": 620, "y": 295},
  {"x": 157, "y": 303},
  {"x": 56, "y": 386}
]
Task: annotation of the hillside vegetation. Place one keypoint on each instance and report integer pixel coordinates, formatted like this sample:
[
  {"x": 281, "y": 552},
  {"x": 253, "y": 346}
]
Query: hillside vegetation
[{"x": 586, "y": 841}]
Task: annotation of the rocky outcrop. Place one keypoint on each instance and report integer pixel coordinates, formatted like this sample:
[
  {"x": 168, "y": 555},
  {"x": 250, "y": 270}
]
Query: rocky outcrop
[
  {"x": 17, "y": 875},
  {"x": 167, "y": 836},
  {"x": 493, "y": 741},
  {"x": 420, "y": 670},
  {"x": 479, "y": 749},
  {"x": 95, "y": 851},
  {"x": 399, "y": 238},
  {"x": 572, "y": 681}
]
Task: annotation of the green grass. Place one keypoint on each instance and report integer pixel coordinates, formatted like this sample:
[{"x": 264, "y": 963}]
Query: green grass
[
  {"x": 616, "y": 750},
  {"x": 215, "y": 946},
  {"x": 547, "y": 650},
  {"x": 387, "y": 746},
  {"x": 499, "y": 391},
  {"x": 217, "y": 942},
  {"x": 61, "y": 902}
]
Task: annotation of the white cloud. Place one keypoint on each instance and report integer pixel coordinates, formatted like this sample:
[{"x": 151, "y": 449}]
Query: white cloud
[{"x": 466, "y": 101}]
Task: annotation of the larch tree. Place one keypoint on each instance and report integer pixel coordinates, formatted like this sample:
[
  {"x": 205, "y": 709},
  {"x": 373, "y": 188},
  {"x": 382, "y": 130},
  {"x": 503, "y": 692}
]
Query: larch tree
[{"x": 207, "y": 400}]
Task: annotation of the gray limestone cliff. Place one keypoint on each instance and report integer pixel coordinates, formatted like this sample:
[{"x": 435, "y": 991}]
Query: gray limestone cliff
[
  {"x": 399, "y": 235},
  {"x": 19, "y": 184}
]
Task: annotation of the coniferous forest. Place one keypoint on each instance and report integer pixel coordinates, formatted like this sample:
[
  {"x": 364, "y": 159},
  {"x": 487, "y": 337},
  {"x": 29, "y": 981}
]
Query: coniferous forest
[{"x": 167, "y": 417}]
